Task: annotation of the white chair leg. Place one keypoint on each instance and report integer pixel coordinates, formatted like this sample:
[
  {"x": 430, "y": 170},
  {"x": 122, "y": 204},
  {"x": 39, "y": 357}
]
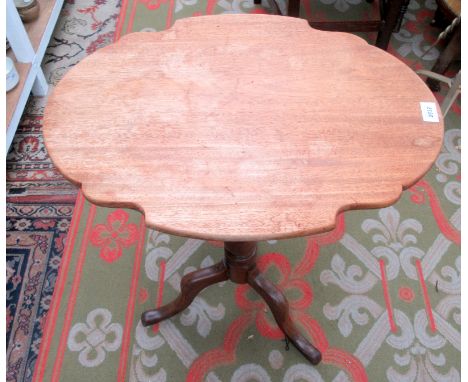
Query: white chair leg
[{"x": 454, "y": 91}]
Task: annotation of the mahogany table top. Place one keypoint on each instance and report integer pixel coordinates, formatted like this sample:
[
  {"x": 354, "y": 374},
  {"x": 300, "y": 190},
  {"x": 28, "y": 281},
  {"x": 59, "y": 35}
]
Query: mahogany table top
[{"x": 241, "y": 127}]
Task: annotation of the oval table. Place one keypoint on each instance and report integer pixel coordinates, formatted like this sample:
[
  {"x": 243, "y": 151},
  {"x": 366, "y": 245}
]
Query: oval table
[{"x": 242, "y": 128}]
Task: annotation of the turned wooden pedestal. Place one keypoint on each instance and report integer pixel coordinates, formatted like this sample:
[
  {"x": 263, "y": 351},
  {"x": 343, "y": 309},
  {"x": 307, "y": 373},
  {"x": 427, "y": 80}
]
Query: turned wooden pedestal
[{"x": 239, "y": 265}]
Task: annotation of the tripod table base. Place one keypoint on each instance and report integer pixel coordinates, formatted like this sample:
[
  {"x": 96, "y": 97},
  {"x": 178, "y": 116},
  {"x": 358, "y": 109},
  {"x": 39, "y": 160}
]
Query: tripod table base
[{"x": 240, "y": 267}]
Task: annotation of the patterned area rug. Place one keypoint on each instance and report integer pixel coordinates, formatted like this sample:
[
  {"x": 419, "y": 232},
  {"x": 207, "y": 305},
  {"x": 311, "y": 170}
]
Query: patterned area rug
[
  {"x": 35, "y": 241},
  {"x": 380, "y": 295}
]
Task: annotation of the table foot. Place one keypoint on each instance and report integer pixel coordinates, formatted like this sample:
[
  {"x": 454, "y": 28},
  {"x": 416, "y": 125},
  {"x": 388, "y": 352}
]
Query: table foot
[
  {"x": 190, "y": 285},
  {"x": 280, "y": 308}
]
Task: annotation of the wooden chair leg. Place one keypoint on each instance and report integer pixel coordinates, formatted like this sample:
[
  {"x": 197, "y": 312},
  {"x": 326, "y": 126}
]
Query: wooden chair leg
[
  {"x": 394, "y": 12},
  {"x": 450, "y": 52},
  {"x": 439, "y": 20},
  {"x": 293, "y": 8}
]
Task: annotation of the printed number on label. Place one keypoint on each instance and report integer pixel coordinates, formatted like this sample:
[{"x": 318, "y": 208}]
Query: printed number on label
[{"x": 429, "y": 112}]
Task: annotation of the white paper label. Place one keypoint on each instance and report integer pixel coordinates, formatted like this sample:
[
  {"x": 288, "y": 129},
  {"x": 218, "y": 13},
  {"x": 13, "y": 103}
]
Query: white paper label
[{"x": 429, "y": 112}]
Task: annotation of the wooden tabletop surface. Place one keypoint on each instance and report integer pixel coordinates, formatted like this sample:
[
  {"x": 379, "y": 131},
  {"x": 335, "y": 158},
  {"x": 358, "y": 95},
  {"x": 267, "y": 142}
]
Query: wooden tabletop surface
[{"x": 241, "y": 127}]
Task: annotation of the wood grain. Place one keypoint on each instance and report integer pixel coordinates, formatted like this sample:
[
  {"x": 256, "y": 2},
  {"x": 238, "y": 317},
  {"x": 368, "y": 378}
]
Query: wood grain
[{"x": 241, "y": 127}]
